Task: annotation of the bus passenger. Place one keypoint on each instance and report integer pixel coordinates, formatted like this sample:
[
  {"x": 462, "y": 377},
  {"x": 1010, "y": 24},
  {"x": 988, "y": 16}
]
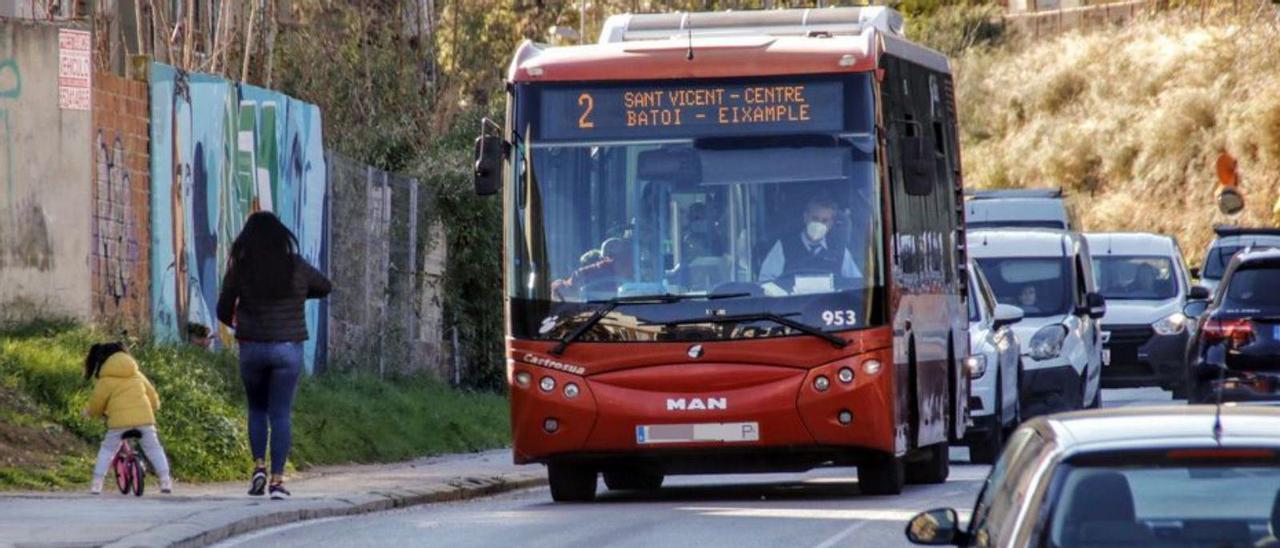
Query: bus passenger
[{"x": 809, "y": 250}]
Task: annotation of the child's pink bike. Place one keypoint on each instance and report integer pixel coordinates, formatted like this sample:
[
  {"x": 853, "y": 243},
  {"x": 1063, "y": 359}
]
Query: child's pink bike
[{"x": 130, "y": 464}]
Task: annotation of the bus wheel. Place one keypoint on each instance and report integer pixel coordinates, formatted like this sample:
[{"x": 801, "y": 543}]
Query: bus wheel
[
  {"x": 882, "y": 475},
  {"x": 934, "y": 468},
  {"x": 570, "y": 483},
  {"x": 632, "y": 479}
]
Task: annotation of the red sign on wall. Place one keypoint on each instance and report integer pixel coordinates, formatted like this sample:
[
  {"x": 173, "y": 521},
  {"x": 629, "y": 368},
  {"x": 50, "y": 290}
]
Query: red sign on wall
[{"x": 75, "y": 69}]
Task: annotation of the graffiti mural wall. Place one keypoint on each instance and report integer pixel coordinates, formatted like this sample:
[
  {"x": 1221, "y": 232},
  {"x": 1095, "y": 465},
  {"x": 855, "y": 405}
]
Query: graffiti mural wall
[{"x": 220, "y": 151}]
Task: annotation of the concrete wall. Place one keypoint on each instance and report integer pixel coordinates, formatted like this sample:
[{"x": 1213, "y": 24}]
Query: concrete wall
[
  {"x": 121, "y": 189},
  {"x": 220, "y": 151},
  {"x": 46, "y": 165}
]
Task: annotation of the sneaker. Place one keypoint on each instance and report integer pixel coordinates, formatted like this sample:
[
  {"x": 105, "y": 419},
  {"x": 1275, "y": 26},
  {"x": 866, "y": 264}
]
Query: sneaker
[
  {"x": 166, "y": 485},
  {"x": 278, "y": 492},
  {"x": 258, "y": 484},
  {"x": 95, "y": 488}
]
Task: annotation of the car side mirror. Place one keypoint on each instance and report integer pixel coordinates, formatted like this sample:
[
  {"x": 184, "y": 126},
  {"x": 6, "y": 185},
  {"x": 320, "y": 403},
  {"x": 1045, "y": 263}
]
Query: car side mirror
[
  {"x": 488, "y": 168},
  {"x": 1006, "y": 314},
  {"x": 1193, "y": 309},
  {"x": 1195, "y": 272},
  {"x": 937, "y": 527},
  {"x": 1198, "y": 293},
  {"x": 1095, "y": 305}
]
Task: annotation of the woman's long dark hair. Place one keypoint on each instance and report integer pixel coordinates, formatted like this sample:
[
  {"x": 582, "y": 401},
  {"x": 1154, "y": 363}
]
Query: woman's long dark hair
[
  {"x": 98, "y": 355},
  {"x": 263, "y": 255}
]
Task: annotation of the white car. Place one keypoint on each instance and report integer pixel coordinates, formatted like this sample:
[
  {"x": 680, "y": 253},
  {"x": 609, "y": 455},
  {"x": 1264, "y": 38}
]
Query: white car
[
  {"x": 1145, "y": 283},
  {"x": 1017, "y": 208},
  {"x": 1229, "y": 241},
  {"x": 1049, "y": 275},
  {"x": 995, "y": 370}
]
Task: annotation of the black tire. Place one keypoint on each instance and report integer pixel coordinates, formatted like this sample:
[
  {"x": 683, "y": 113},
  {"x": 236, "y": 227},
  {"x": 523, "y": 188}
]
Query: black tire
[
  {"x": 139, "y": 478},
  {"x": 882, "y": 475},
  {"x": 632, "y": 479},
  {"x": 571, "y": 483},
  {"x": 933, "y": 469},
  {"x": 124, "y": 476},
  {"x": 1180, "y": 391}
]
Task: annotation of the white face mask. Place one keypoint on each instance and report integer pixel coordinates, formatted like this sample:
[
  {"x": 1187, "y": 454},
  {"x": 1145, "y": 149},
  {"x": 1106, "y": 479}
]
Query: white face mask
[{"x": 816, "y": 231}]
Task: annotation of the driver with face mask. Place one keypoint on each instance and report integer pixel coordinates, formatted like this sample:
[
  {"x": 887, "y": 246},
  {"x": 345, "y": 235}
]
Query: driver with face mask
[{"x": 809, "y": 251}]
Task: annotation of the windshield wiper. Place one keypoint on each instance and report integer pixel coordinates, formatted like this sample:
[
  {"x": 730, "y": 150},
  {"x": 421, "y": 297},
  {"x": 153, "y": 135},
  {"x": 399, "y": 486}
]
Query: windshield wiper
[
  {"x": 610, "y": 304},
  {"x": 779, "y": 319}
]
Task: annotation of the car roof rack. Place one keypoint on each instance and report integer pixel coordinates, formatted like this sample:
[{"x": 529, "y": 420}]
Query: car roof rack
[
  {"x": 1015, "y": 193},
  {"x": 1224, "y": 231}
]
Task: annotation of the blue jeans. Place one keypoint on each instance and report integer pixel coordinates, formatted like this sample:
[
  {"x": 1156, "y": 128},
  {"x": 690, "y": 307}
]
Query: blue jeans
[{"x": 270, "y": 373}]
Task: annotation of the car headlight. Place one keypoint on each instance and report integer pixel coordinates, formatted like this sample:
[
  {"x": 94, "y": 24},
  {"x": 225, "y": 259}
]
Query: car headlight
[
  {"x": 976, "y": 365},
  {"x": 1172, "y": 325},
  {"x": 1047, "y": 342}
]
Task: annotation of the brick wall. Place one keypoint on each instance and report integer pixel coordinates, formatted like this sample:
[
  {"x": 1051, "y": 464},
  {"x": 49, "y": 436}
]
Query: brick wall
[{"x": 121, "y": 188}]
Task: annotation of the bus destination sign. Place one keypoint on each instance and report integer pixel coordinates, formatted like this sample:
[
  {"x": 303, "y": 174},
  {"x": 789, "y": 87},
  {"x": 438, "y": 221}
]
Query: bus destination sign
[{"x": 681, "y": 110}]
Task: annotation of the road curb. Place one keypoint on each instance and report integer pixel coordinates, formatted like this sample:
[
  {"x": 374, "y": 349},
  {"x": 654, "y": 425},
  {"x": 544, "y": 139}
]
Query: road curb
[{"x": 214, "y": 526}]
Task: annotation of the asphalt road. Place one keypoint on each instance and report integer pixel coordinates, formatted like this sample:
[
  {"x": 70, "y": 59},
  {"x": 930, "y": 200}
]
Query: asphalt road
[{"x": 821, "y": 508}]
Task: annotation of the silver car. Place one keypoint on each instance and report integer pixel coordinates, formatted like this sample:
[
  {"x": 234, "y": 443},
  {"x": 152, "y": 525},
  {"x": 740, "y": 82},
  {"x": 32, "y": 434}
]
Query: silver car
[
  {"x": 995, "y": 370},
  {"x": 1158, "y": 476}
]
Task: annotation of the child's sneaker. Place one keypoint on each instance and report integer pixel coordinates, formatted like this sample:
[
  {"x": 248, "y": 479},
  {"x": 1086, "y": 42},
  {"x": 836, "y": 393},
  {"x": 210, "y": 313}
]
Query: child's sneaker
[
  {"x": 258, "y": 484},
  {"x": 278, "y": 492},
  {"x": 95, "y": 488},
  {"x": 166, "y": 485}
]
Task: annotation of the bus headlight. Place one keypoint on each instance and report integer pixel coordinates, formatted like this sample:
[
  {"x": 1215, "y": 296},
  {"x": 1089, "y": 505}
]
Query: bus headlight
[
  {"x": 524, "y": 379},
  {"x": 871, "y": 367},
  {"x": 845, "y": 375},
  {"x": 1172, "y": 325},
  {"x": 1047, "y": 342},
  {"x": 570, "y": 390},
  {"x": 547, "y": 384},
  {"x": 821, "y": 383}
]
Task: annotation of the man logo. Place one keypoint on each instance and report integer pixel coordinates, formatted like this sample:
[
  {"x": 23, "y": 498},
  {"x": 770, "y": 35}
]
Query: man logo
[{"x": 697, "y": 404}]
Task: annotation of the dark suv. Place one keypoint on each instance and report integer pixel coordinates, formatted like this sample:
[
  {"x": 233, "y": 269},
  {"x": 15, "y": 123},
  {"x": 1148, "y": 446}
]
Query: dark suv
[{"x": 1236, "y": 351}]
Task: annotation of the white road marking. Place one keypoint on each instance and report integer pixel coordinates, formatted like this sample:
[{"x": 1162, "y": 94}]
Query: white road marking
[{"x": 245, "y": 539}]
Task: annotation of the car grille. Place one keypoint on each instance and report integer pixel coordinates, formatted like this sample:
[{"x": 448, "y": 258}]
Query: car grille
[{"x": 1125, "y": 342}]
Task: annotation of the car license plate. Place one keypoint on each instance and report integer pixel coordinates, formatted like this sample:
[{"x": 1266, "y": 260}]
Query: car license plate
[
  {"x": 704, "y": 432},
  {"x": 1106, "y": 356}
]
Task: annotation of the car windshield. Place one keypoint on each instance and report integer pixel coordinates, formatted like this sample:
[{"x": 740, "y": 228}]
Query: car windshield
[
  {"x": 1135, "y": 277},
  {"x": 1218, "y": 505},
  {"x": 1039, "y": 286},
  {"x": 788, "y": 224},
  {"x": 1253, "y": 288},
  {"x": 1215, "y": 263}
]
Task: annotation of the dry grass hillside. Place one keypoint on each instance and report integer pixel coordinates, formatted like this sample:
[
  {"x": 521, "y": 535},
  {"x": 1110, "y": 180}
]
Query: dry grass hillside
[{"x": 1130, "y": 120}]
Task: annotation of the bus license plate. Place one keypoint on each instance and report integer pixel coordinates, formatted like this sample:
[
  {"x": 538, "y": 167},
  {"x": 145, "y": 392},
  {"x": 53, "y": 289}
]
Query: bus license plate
[{"x": 705, "y": 432}]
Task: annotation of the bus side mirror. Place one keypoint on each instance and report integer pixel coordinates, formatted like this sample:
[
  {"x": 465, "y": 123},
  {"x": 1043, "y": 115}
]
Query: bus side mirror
[{"x": 488, "y": 168}]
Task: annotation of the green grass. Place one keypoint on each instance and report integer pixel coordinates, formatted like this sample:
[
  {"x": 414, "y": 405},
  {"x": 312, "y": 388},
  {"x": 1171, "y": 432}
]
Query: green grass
[{"x": 337, "y": 419}]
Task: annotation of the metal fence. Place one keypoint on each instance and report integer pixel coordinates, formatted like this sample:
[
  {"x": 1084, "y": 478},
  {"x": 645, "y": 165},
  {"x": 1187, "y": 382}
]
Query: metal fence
[{"x": 387, "y": 259}]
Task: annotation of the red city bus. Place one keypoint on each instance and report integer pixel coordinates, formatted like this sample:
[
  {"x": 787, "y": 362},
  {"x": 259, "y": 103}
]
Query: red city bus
[{"x": 733, "y": 243}]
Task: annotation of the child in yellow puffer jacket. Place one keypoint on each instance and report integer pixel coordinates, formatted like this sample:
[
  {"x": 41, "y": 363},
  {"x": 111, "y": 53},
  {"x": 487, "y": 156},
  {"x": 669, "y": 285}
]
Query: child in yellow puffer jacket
[{"x": 129, "y": 401}]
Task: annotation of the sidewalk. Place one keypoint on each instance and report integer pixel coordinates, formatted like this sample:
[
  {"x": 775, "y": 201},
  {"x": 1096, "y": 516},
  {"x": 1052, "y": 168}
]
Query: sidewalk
[{"x": 197, "y": 515}]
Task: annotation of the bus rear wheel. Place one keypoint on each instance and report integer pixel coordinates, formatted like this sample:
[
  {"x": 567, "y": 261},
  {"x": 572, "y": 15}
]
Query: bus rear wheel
[
  {"x": 632, "y": 479},
  {"x": 933, "y": 468},
  {"x": 571, "y": 483},
  {"x": 882, "y": 475}
]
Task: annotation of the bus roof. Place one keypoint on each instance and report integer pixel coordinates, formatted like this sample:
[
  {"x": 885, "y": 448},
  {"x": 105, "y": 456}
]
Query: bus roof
[{"x": 771, "y": 46}]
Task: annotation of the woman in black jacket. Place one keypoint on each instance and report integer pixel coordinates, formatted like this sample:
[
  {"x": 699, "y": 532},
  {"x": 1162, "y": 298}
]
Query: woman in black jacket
[{"x": 263, "y": 297}]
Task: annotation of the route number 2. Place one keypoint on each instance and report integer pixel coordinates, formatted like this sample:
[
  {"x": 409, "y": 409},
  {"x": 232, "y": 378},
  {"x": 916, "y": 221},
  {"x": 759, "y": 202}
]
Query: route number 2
[
  {"x": 587, "y": 103},
  {"x": 839, "y": 317}
]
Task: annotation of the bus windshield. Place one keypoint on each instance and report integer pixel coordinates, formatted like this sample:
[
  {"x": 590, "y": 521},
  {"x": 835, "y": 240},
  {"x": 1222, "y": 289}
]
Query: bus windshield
[{"x": 784, "y": 223}]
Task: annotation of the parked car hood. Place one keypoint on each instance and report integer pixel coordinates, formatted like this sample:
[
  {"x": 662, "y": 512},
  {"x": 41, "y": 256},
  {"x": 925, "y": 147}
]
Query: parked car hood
[{"x": 1139, "y": 312}]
